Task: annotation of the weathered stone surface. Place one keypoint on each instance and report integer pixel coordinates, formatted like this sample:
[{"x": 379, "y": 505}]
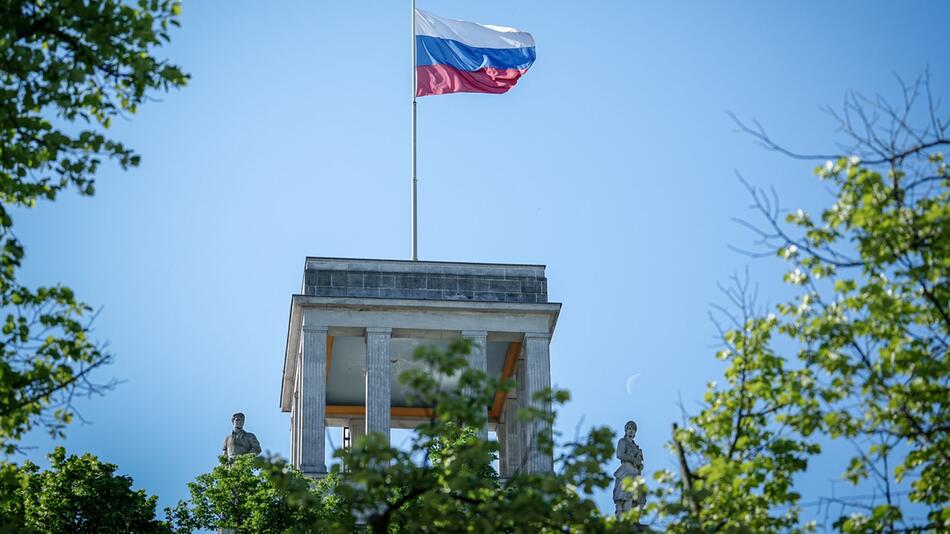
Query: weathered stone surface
[
  {"x": 383, "y": 299},
  {"x": 313, "y": 400},
  {"x": 378, "y": 380},
  {"x": 510, "y": 459},
  {"x": 329, "y": 277},
  {"x": 478, "y": 360},
  {"x": 536, "y": 377}
]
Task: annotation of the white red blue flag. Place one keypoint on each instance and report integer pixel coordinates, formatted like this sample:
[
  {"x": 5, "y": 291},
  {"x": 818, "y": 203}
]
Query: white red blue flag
[{"x": 453, "y": 56}]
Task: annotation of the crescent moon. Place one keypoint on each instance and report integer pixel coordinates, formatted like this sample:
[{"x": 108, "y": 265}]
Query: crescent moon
[{"x": 630, "y": 381}]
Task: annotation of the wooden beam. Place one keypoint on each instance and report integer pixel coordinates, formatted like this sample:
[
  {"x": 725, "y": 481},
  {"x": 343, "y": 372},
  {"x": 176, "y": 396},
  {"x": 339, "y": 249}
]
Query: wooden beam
[
  {"x": 426, "y": 413},
  {"x": 329, "y": 355},
  {"x": 494, "y": 414},
  {"x": 507, "y": 371},
  {"x": 395, "y": 411},
  {"x": 345, "y": 410}
]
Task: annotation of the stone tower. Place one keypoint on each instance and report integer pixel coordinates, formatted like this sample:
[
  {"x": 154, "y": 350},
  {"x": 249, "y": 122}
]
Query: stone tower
[{"x": 356, "y": 323}]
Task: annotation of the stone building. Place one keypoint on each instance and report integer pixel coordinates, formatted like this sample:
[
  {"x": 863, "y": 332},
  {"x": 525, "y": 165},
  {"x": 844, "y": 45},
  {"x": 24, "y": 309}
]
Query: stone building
[{"x": 356, "y": 323}]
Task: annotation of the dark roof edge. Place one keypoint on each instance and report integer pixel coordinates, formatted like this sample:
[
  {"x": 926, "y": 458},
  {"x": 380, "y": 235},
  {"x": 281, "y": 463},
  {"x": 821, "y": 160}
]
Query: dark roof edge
[{"x": 425, "y": 261}]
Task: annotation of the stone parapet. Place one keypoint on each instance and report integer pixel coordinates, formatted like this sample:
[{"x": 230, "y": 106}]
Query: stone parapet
[{"x": 398, "y": 279}]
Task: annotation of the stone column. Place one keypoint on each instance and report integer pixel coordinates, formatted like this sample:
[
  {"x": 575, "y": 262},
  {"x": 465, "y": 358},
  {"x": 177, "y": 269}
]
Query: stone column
[
  {"x": 378, "y": 380},
  {"x": 537, "y": 377},
  {"x": 478, "y": 360},
  {"x": 313, "y": 400},
  {"x": 500, "y": 435},
  {"x": 297, "y": 394},
  {"x": 293, "y": 431},
  {"x": 522, "y": 432},
  {"x": 357, "y": 428},
  {"x": 509, "y": 461}
]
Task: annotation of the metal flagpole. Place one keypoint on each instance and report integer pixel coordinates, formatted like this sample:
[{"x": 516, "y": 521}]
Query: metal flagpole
[{"x": 415, "y": 236}]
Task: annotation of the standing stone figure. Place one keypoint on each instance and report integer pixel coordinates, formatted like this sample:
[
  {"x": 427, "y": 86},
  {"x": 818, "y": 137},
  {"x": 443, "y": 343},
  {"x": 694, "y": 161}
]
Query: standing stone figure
[
  {"x": 238, "y": 441},
  {"x": 631, "y": 466}
]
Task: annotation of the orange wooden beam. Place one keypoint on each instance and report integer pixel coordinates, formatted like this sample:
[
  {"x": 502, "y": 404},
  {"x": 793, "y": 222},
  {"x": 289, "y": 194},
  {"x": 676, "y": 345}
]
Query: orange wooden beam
[
  {"x": 345, "y": 410},
  {"x": 507, "y": 371},
  {"x": 412, "y": 412},
  {"x": 395, "y": 411}
]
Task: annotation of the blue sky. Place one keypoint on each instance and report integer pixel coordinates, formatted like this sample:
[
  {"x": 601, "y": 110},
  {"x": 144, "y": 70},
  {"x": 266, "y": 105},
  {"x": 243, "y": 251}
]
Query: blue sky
[{"x": 612, "y": 162}]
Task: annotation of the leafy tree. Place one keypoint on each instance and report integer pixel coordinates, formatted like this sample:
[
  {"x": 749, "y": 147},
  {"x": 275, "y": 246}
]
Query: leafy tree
[
  {"x": 67, "y": 68},
  {"x": 77, "y": 494},
  {"x": 738, "y": 457},
  {"x": 238, "y": 495},
  {"x": 871, "y": 323}
]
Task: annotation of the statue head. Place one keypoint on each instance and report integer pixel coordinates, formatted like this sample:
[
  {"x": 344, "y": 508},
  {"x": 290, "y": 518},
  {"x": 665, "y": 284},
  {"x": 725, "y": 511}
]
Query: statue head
[
  {"x": 238, "y": 421},
  {"x": 630, "y": 429}
]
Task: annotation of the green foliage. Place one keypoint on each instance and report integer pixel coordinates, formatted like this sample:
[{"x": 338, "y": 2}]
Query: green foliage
[
  {"x": 77, "y": 494},
  {"x": 737, "y": 466},
  {"x": 238, "y": 495},
  {"x": 870, "y": 323},
  {"x": 443, "y": 482},
  {"x": 878, "y": 336},
  {"x": 66, "y": 69}
]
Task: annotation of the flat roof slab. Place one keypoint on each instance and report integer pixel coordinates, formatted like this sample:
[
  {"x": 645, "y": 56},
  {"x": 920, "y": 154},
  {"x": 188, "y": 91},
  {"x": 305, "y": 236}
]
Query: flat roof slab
[{"x": 481, "y": 282}]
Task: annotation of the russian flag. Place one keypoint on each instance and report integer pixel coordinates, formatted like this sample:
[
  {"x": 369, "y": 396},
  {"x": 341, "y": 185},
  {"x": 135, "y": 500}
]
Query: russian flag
[{"x": 453, "y": 56}]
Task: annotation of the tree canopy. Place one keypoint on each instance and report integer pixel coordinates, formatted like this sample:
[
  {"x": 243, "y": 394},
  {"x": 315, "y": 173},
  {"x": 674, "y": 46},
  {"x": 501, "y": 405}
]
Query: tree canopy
[
  {"x": 869, "y": 324},
  {"x": 76, "y": 494},
  {"x": 67, "y": 69},
  {"x": 238, "y": 495}
]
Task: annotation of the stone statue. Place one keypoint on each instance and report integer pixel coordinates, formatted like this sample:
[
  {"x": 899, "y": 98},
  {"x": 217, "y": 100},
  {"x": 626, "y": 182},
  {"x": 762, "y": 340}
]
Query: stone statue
[
  {"x": 631, "y": 466},
  {"x": 238, "y": 441}
]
